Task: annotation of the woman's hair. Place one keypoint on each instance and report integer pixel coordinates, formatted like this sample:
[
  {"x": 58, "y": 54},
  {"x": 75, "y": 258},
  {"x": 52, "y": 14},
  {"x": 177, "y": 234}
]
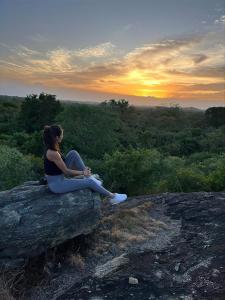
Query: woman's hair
[{"x": 50, "y": 133}]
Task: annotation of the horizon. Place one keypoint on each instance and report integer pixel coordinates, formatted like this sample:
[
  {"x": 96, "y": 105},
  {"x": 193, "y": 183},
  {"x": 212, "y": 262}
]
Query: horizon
[
  {"x": 146, "y": 52},
  {"x": 168, "y": 105}
]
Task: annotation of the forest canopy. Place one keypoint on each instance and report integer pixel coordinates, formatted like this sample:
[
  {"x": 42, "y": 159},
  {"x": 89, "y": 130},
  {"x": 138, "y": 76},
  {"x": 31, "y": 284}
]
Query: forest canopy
[{"x": 135, "y": 150}]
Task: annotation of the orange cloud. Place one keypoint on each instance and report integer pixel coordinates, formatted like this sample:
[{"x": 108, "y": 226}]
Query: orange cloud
[{"x": 190, "y": 67}]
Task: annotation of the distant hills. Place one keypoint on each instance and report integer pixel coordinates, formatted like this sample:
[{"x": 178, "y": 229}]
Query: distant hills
[{"x": 20, "y": 99}]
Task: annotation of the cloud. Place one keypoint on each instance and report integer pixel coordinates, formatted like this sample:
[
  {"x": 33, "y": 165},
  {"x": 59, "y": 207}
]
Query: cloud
[
  {"x": 102, "y": 50},
  {"x": 208, "y": 87},
  {"x": 198, "y": 58},
  {"x": 20, "y": 50},
  {"x": 24, "y": 51},
  {"x": 60, "y": 60},
  {"x": 191, "y": 66},
  {"x": 221, "y": 20}
]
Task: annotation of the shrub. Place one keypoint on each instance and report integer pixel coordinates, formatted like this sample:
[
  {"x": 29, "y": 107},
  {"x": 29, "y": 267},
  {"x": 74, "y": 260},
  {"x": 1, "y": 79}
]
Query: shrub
[
  {"x": 15, "y": 168},
  {"x": 133, "y": 171},
  {"x": 217, "y": 178}
]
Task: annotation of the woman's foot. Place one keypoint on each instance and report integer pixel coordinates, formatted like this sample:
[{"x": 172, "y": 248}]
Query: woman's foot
[{"x": 117, "y": 198}]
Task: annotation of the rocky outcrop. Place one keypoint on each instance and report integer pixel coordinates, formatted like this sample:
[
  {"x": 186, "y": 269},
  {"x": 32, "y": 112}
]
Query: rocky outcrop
[
  {"x": 171, "y": 243},
  {"x": 33, "y": 219}
]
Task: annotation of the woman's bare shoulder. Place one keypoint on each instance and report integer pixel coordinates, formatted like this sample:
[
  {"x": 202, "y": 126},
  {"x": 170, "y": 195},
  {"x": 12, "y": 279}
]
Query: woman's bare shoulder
[{"x": 52, "y": 154}]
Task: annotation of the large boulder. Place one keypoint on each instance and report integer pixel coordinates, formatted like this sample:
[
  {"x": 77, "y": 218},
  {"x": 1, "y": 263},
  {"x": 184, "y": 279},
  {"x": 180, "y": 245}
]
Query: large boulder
[
  {"x": 172, "y": 244},
  {"x": 32, "y": 219}
]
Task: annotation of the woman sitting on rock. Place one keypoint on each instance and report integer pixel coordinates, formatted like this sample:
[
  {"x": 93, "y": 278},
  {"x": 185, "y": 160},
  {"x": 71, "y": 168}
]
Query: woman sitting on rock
[{"x": 56, "y": 166}]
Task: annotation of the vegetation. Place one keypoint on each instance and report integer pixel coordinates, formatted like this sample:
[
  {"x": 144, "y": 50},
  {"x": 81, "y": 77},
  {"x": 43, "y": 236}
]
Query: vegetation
[
  {"x": 15, "y": 168},
  {"x": 35, "y": 112},
  {"x": 134, "y": 150}
]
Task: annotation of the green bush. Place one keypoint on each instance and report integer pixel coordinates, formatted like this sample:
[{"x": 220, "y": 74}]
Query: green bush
[
  {"x": 180, "y": 176},
  {"x": 90, "y": 130},
  {"x": 133, "y": 171},
  {"x": 169, "y": 180},
  {"x": 190, "y": 181},
  {"x": 15, "y": 168},
  {"x": 217, "y": 177},
  {"x": 37, "y": 165},
  {"x": 24, "y": 142}
]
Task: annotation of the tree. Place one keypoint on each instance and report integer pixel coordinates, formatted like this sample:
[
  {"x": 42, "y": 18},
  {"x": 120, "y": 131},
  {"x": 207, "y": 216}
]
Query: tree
[
  {"x": 89, "y": 129},
  {"x": 38, "y": 111},
  {"x": 122, "y": 104},
  {"x": 215, "y": 116}
]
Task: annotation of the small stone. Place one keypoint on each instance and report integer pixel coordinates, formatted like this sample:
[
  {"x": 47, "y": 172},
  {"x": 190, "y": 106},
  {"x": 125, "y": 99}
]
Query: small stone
[
  {"x": 133, "y": 280},
  {"x": 158, "y": 274},
  {"x": 215, "y": 273},
  {"x": 85, "y": 287},
  {"x": 177, "y": 266},
  {"x": 47, "y": 270}
]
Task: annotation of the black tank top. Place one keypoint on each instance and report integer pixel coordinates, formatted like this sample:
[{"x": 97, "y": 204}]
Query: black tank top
[{"x": 50, "y": 167}]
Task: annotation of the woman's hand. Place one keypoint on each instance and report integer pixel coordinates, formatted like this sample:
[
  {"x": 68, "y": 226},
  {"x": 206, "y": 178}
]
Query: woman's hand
[{"x": 87, "y": 171}]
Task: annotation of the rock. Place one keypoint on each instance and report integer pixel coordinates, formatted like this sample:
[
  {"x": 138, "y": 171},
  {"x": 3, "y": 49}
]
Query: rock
[
  {"x": 110, "y": 266},
  {"x": 33, "y": 219},
  {"x": 183, "y": 260},
  {"x": 194, "y": 261},
  {"x": 159, "y": 274},
  {"x": 215, "y": 273},
  {"x": 133, "y": 280},
  {"x": 177, "y": 266}
]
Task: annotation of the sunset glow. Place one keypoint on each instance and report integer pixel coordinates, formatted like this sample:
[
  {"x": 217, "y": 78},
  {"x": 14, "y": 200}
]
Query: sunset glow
[{"x": 177, "y": 63}]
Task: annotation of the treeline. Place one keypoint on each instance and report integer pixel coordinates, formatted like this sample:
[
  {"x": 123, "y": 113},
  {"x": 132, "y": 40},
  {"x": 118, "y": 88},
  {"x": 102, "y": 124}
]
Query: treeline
[{"x": 134, "y": 150}]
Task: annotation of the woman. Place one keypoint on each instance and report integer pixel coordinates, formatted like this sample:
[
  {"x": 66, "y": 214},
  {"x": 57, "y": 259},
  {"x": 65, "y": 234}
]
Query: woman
[{"x": 56, "y": 166}]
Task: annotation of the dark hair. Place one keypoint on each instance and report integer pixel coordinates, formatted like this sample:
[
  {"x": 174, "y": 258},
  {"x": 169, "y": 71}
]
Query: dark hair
[{"x": 50, "y": 133}]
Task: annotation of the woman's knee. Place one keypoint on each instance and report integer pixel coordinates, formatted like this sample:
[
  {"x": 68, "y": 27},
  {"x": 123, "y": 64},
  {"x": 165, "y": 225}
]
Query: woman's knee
[
  {"x": 74, "y": 152},
  {"x": 91, "y": 182},
  {"x": 88, "y": 182}
]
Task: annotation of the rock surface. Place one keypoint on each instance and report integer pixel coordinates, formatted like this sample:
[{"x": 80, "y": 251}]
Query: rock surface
[
  {"x": 33, "y": 219},
  {"x": 183, "y": 258}
]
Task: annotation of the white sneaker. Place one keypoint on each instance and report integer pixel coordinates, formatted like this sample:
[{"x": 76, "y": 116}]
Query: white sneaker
[
  {"x": 118, "y": 198},
  {"x": 95, "y": 179}
]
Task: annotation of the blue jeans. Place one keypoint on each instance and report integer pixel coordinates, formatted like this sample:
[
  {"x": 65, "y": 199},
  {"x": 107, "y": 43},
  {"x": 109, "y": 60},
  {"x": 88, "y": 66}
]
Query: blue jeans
[{"x": 61, "y": 184}]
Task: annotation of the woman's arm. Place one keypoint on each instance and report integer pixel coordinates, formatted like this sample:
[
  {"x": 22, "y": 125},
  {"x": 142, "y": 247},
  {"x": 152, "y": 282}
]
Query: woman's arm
[{"x": 56, "y": 158}]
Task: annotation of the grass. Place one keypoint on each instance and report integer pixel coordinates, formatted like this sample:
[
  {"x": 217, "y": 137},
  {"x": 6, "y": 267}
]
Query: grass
[
  {"x": 7, "y": 283},
  {"x": 77, "y": 261},
  {"x": 126, "y": 227}
]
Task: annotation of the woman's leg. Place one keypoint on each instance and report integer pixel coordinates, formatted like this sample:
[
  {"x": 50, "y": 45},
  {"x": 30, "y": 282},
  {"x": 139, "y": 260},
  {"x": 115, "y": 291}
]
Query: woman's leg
[
  {"x": 69, "y": 185},
  {"x": 74, "y": 161}
]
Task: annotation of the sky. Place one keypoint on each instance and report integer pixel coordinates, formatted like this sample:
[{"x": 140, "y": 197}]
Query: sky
[{"x": 149, "y": 52}]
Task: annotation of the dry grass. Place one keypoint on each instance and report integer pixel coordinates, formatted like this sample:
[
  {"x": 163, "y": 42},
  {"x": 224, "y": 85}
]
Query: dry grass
[
  {"x": 5, "y": 293},
  {"x": 126, "y": 227},
  {"x": 77, "y": 261},
  {"x": 8, "y": 280}
]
